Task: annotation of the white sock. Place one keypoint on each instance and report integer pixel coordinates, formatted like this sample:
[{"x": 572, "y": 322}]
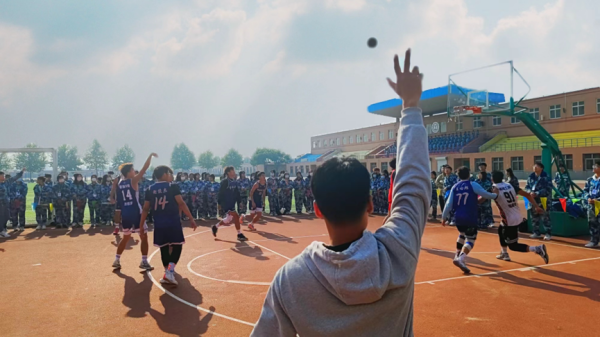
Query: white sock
[
  {"x": 504, "y": 250},
  {"x": 118, "y": 257},
  {"x": 218, "y": 224},
  {"x": 145, "y": 258},
  {"x": 171, "y": 267},
  {"x": 239, "y": 231}
]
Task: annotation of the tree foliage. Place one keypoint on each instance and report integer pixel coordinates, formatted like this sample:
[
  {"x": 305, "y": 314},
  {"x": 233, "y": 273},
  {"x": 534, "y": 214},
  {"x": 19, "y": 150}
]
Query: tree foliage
[
  {"x": 124, "y": 154},
  {"x": 95, "y": 157},
  {"x": 208, "y": 160},
  {"x": 232, "y": 158},
  {"x": 182, "y": 158},
  {"x": 33, "y": 161},
  {"x": 68, "y": 159},
  {"x": 5, "y": 162},
  {"x": 261, "y": 155}
]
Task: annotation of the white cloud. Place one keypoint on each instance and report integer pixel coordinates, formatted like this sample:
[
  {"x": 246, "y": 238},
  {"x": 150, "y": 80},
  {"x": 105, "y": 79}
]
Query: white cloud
[{"x": 346, "y": 5}]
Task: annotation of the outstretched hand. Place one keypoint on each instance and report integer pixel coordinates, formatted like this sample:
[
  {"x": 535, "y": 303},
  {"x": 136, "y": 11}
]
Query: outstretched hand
[
  {"x": 153, "y": 155},
  {"x": 408, "y": 83}
]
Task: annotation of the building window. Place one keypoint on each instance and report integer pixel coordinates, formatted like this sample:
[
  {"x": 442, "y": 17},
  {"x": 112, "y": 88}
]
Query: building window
[
  {"x": 514, "y": 120},
  {"x": 319, "y": 143},
  {"x": 373, "y": 166},
  {"x": 516, "y": 163},
  {"x": 568, "y": 161},
  {"x": 314, "y": 145},
  {"x": 498, "y": 164},
  {"x": 459, "y": 125},
  {"x": 443, "y": 126},
  {"x": 477, "y": 122},
  {"x": 428, "y": 127},
  {"x": 578, "y": 108},
  {"x": 358, "y": 139},
  {"x": 325, "y": 142},
  {"x": 337, "y": 142},
  {"x": 384, "y": 166},
  {"x": 366, "y": 139},
  {"x": 291, "y": 170},
  {"x": 536, "y": 159},
  {"x": 345, "y": 141},
  {"x": 351, "y": 139},
  {"x": 477, "y": 162},
  {"x": 535, "y": 113},
  {"x": 588, "y": 161},
  {"x": 381, "y": 135},
  {"x": 301, "y": 169},
  {"x": 390, "y": 134},
  {"x": 497, "y": 120},
  {"x": 555, "y": 111},
  {"x": 373, "y": 137},
  {"x": 598, "y": 105}
]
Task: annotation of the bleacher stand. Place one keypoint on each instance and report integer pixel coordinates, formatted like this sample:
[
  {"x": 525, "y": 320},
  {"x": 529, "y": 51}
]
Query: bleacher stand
[{"x": 451, "y": 142}]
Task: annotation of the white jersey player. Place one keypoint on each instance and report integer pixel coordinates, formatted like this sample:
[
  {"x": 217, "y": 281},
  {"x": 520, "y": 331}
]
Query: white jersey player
[{"x": 508, "y": 231}]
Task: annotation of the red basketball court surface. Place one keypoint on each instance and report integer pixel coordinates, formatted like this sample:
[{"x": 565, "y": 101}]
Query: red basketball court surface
[{"x": 59, "y": 283}]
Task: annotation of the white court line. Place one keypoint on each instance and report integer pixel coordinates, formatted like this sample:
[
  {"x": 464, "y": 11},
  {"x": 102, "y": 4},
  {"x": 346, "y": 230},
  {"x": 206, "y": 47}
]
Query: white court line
[
  {"x": 189, "y": 266},
  {"x": 448, "y": 251},
  {"x": 507, "y": 271},
  {"x": 293, "y": 237},
  {"x": 272, "y": 251}
]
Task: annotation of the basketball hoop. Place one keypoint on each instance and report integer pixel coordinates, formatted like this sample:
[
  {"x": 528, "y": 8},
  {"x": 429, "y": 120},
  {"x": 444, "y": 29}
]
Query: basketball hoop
[{"x": 467, "y": 110}]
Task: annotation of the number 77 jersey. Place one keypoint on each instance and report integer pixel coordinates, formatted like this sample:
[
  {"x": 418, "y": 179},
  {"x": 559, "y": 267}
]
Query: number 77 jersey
[
  {"x": 163, "y": 205},
  {"x": 465, "y": 204}
]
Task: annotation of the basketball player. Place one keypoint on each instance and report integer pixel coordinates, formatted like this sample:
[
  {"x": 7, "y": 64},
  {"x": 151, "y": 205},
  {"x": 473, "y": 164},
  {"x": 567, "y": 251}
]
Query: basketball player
[
  {"x": 462, "y": 199},
  {"x": 508, "y": 232},
  {"x": 165, "y": 200},
  {"x": 126, "y": 190},
  {"x": 257, "y": 199},
  {"x": 229, "y": 195}
]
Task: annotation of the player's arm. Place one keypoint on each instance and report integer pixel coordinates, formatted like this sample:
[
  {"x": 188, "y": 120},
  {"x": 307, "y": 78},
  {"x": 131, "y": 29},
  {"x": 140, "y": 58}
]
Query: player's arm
[
  {"x": 145, "y": 211},
  {"x": 142, "y": 172},
  {"x": 447, "y": 208},
  {"x": 531, "y": 199},
  {"x": 481, "y": 192},
  {"x": 183, "y": 207},
  {"x": 113, "y": 190}
]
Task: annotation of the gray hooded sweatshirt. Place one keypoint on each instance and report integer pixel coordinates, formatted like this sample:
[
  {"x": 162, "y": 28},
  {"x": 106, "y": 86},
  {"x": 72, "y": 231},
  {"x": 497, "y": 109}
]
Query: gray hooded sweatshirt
[{"x": 366, "y": 290}]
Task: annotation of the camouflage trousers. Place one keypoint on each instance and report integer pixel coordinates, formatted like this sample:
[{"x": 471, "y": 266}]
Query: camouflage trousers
[
  {"x": 273, "y": 203},
  {"x": 538, "y": 220},
  {"x": 94, "y": 206},
  {"x": 285, "y": 201},
  {"x": 62, "y": 210},
  {"x": 107, "y": 212},
  {"x": 433, "y": 204},
  {"x": 308, "y": 202},
  {"x": 594, "y": 223},
  {"x": 42, "y": 213},
  {"x": 211, "y": 206},
  {"x": 486, "y": 217},
  {"x": 78, "y": 210},
  {"x": 379, "y": 202},
  {"x": 299, "y": 199},
  {"x": 200, "y": 205},
  {"x": 242, "y": 206},
  {"x": 17, "y": 213}
]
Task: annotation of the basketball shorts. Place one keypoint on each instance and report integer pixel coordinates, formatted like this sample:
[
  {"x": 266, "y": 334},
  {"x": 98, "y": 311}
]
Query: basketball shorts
[
  {"x": 131, "y": 224},
  {"x": 168, "y": 231}
]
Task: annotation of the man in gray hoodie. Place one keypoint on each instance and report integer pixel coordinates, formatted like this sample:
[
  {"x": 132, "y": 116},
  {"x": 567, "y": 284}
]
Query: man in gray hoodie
[{"x": 362, "y": 283}]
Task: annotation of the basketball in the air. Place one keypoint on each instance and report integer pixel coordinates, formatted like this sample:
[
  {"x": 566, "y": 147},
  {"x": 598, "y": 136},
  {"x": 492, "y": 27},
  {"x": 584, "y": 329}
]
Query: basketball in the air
[{"x": 372, "y": 43}]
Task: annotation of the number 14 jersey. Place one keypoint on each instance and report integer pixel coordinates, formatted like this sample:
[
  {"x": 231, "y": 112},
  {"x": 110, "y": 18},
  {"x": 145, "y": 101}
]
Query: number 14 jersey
[{"x": 163, "y": 206}]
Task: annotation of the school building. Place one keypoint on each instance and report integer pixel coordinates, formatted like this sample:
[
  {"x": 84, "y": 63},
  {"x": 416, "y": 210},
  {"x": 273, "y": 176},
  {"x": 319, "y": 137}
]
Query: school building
[{"x": 573, "y": 119}]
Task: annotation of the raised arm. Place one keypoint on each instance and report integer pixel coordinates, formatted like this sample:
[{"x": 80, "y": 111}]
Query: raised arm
[
  {"x": 142, "y": 172},
  {"x": 412, "y": 187},
  {"x": 482, "y": 192},
  {"x": 17, "y": 176}
]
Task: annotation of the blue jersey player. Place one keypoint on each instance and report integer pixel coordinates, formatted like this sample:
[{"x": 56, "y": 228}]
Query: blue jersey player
[
  {"x": 463, "y": 200},
  {"x": 126, "y": 192},
  {"x": 229, "y": 196},
  {"x": 165, "y": 202}
]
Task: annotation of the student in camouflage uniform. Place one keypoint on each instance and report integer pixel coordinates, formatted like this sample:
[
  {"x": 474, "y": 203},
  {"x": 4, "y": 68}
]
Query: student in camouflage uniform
[
  {"x": 539, "y": 186},
  {"x": 273, "y": 193},
  {"x": 199, "y": 211},
  {"x": 384, "y": 188},
  {"x": 486, "y": 218},
  {"x": 62, "y": 202},
  {"x": 299, "y": 192},
  {"x": 5, "y": 182},
  {"x": 51, "y": 213},
  {"x": 375, "y": 191},
  {"x": 450, "y": 179},
  {"x": 285, "y": 201},
  {"x": 308, "y": 196},
  {"x": 79, "y": 192},
  {"x": 244, "y": 186},
  {"x": 106, "y": 208},
  {"x": 42, "y": 199},
  {"x": 94, "y": 192},
  {"x": 212, "y": 192},
  {"x": 18, "y": 195},
  {"x": 434, "y": 198},
  {"x": 591, "y": 193},
  {"x": 68, "y": 182},
  {"x": 561, "y": 179}
]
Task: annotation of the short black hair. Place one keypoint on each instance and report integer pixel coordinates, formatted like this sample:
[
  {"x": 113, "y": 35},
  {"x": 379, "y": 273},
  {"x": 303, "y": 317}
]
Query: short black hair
[
  {"x": 597, "y": 162},
  {"x": 539, "y": 163},
  {"x": 41, "y": 179},
  {"x": 48, "y": 175},
  {"x": 434, "y": 173},
  {"x": 63, "y": 172},
  {"x": 110, "y": 172},
  {"x": 242, "y": 172},
  {"x": 227, "y": 169},
  {"x": 160, "y": 171},
  {"x": 448, "y": 166},
  {"x": 393, "y": 163},
  {"x": 341, "y": 202},
  {"x": 212, "y": 176},
  {"x": 482, "y": 164},
  {"x": 464, "y": 172},
  {"x": 376, "y": 169},
  {"x": 562, "y": 165},
  {"x": 497, "y": 176},
  {"x": 1, "y": 173},
  {"x": 125, "y": 168}
]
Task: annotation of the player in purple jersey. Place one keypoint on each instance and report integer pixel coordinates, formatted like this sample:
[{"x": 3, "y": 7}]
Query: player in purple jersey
[
  {"x": 257, "y": 200},
  {"x": 126, "y": 192},
  {"x": 462, "y": 199},
  {"x": 229, "y": 196},
  {"x": 165, "y": 201}
]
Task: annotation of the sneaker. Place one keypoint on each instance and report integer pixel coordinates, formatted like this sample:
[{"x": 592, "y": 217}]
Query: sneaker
[
  {"x": 21, "y": 229},
  {"x": 93, "y": 225},
  {"x": 490, "y": 225},
  {"x": 43, "y": 227},
  {"x": 146, "y": 265},
  {"x": 70, "y": 228},
  {"x": 15, "y": 229},
  {"x": 461, "y": 264},
  {"x": 547, "y": 237},
  {"x": 242, "y": 237},
  {"x": 4, "y": 234},
  {"x": 503, "y": 256},
  {"x": 38, "y": 227},
  {"x": 170, "y": 276},
  {"x": 251, "y": 227},
  {"x": 282, "y": 210},
  {"x": 116, "y": 231},
  {"x": 541, "y": 251},
  {"x": 164, "y": 280},
  {"x": 535, "y": 236},
  {"x": 214, "y": 230},
  {"x": 592, "y": 244},
  {"x": 116, "y": 264}
]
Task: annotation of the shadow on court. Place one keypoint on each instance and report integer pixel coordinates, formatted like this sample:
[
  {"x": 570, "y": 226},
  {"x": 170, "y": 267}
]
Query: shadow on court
[
  {"x": 275, "y": 236},
  {"x": 470, "y": 259}
]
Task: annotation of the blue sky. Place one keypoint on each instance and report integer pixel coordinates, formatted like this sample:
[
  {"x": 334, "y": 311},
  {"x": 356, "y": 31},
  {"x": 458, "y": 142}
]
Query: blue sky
[{"x": 248, "y": 74}]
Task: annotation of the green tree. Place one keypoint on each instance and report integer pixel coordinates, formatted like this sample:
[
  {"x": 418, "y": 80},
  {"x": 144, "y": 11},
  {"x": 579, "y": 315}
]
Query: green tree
[
  {"x": 207, "y": 160},
  {"x": 182, "y": 157},
  {"x": 96, "y": 157},
  {"x": 276, "y": 156},
  {"x": 33, "y": 161},
  {"x": 5, "y": 162},
  {"x": 124, "y": 154},
  {"x": 232, "y": 158},
  {"x": 68, "y": 159}
]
